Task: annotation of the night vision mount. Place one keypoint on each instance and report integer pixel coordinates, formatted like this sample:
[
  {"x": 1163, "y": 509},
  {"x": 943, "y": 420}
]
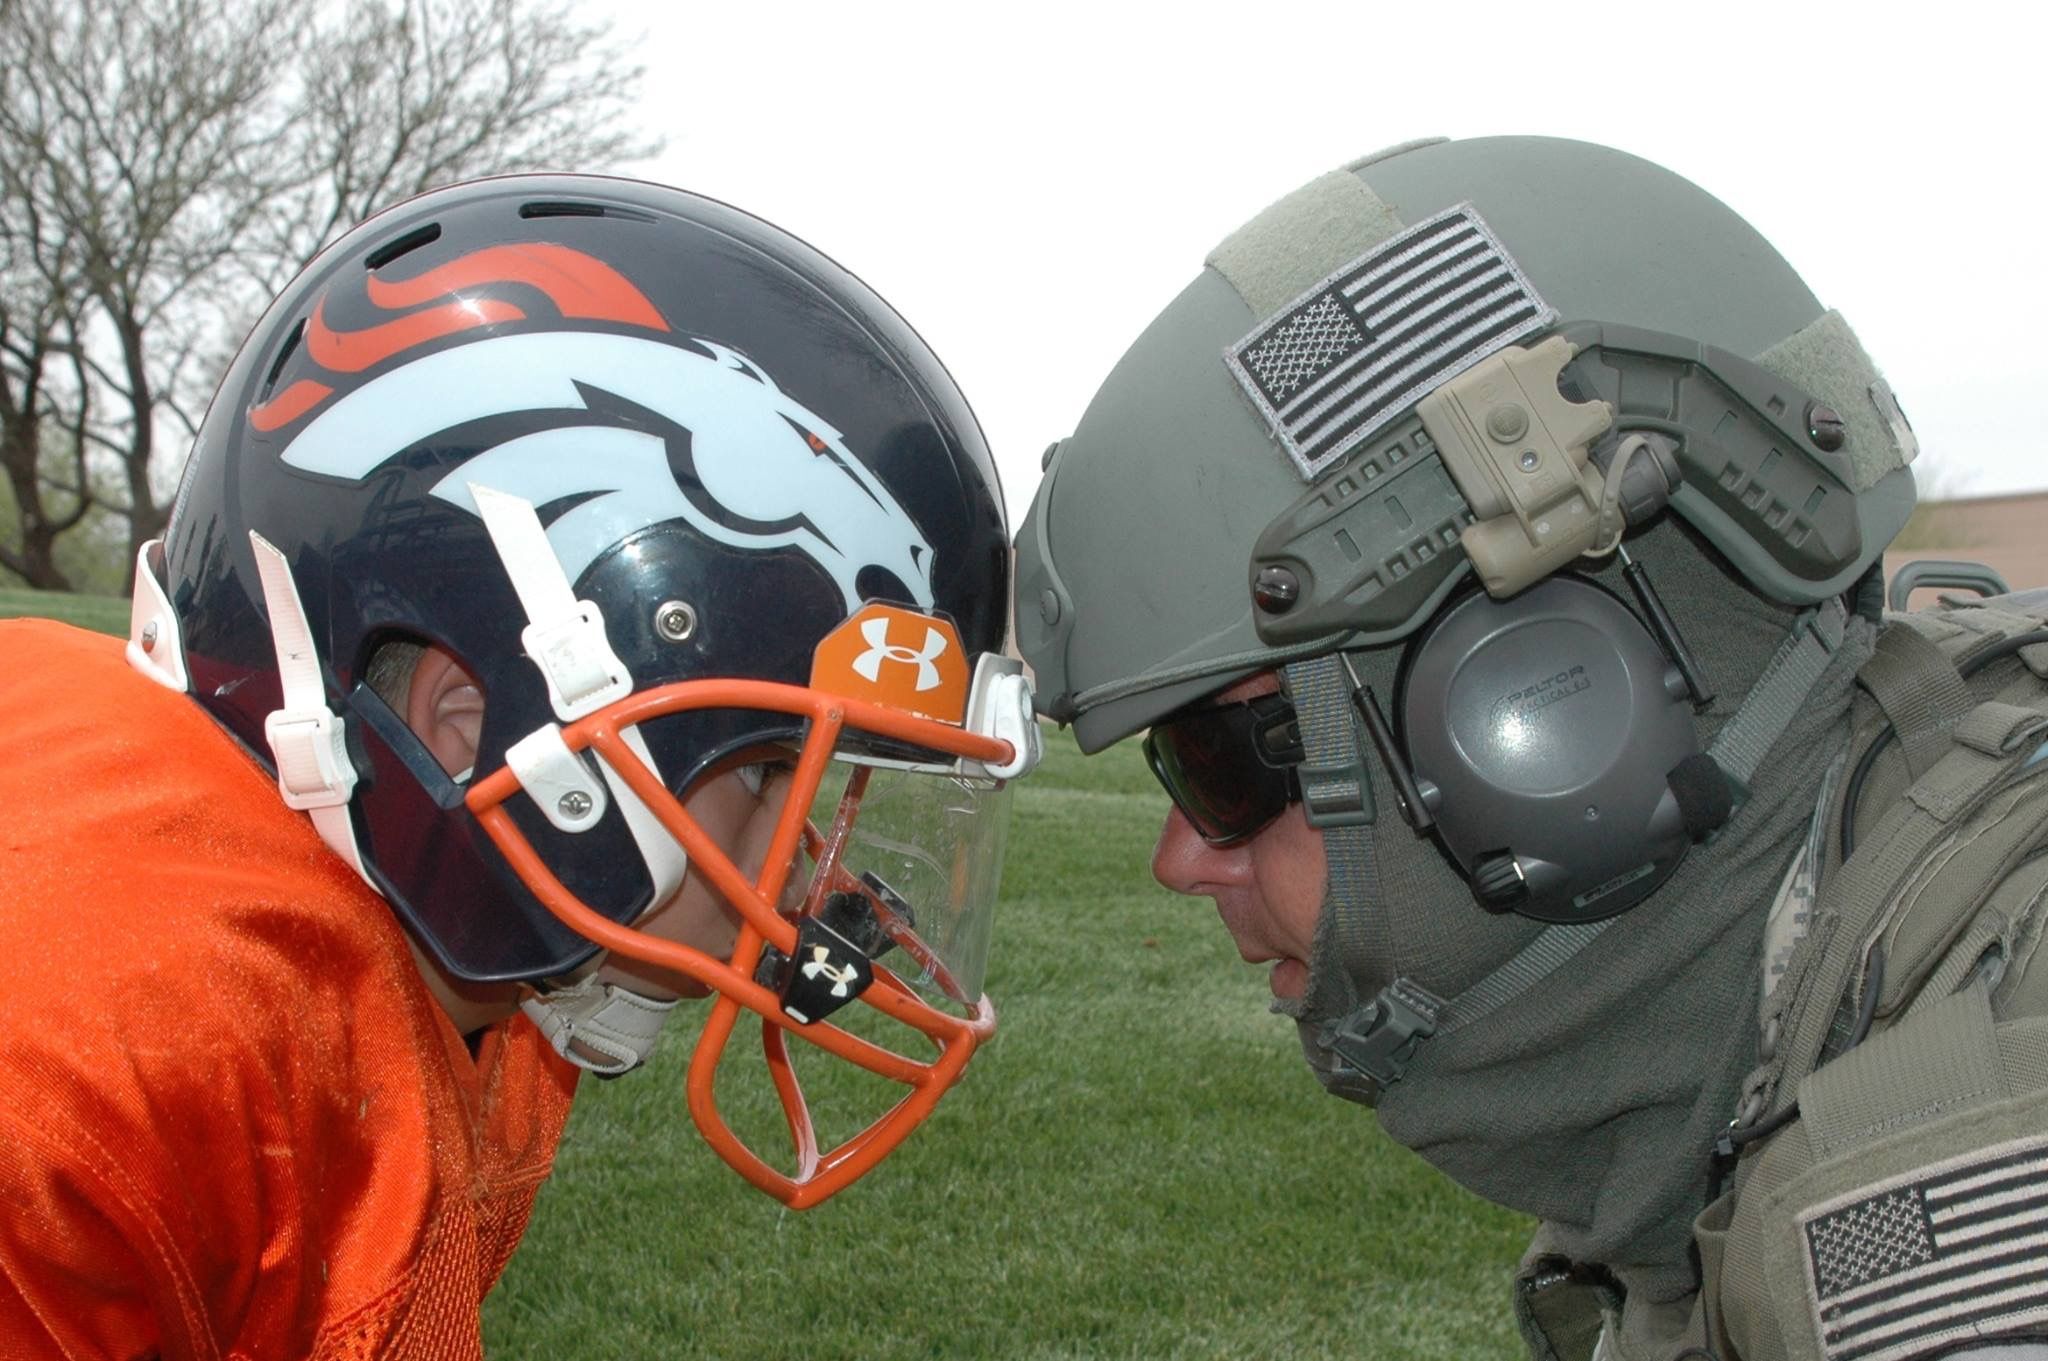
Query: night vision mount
[{"x": 1541, "y": 453}]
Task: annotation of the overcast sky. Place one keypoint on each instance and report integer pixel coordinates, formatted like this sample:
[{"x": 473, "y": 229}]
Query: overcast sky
[{"x": 1029, "y": 183}]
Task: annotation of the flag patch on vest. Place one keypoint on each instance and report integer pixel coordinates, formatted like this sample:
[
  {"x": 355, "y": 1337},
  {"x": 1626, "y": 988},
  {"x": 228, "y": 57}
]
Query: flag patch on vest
[
  {"x": 1942, "y": 1255},
  {"x": 1383, "y": 332}
]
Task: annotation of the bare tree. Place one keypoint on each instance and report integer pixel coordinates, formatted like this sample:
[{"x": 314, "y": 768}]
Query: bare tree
[{"x": 165, "y": 166}]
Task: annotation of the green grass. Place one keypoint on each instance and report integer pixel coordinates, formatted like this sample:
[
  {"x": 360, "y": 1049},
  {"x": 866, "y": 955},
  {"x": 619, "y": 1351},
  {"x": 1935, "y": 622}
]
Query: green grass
[
  {"x": 1138, "y": 1165},
  {"x": 101, "y": 613}
]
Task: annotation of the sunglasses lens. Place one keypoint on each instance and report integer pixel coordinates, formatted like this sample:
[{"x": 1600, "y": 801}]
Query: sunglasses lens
[{"x": 1209, "y": 762}]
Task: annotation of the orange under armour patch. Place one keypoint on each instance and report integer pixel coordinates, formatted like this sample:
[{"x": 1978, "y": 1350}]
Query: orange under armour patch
[{"x": 898, "y": 657}]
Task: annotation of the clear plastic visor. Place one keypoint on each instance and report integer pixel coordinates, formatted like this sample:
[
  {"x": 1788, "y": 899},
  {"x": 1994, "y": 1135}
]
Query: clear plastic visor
[{"x": 907, "y": 867}]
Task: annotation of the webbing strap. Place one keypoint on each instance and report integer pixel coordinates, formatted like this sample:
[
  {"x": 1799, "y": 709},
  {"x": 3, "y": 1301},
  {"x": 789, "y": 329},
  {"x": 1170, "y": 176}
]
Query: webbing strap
[
  {"x": 1335, "y": 768},
  {"x": 1537, "y": 960},
  {"x": 1743, "y": 742},
  {"x": 565, "y": 638},
  {"x": 1920, "y": 691},
  {"x": 1335, "y": 790},
  {"x": 307, "y": 743}
]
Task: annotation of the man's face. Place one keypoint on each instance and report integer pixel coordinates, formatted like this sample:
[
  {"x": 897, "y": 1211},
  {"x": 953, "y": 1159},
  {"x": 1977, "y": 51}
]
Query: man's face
[{"x": 1268, "y": 889}]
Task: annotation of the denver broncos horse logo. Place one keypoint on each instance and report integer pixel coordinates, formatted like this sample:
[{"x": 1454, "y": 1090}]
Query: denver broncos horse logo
[{"x": 712, "y": 440}]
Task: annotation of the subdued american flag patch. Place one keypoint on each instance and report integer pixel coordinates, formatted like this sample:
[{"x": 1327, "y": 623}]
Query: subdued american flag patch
[
  {"x": 1920, "y": 1263},
  {"x": 1381, "y": 333}
]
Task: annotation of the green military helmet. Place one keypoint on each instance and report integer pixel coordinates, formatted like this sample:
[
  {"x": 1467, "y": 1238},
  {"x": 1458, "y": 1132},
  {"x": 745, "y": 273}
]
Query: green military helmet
[{"x": 1453, "y": 354}]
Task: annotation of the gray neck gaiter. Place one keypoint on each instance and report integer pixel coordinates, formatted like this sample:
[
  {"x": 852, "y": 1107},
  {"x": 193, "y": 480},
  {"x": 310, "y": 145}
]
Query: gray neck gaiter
[{"x": 1592, "y": 1099}]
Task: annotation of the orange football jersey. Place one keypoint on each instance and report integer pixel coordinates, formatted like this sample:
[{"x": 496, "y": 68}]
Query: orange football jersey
[{"x": 233, "y": 1121}]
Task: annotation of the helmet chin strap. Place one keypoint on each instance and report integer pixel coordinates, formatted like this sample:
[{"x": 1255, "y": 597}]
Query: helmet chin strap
[
  {"x": 314, "y": 773},
  {"x": 598, "y": 1026},
  {"x": 1358, "y": 1050}
]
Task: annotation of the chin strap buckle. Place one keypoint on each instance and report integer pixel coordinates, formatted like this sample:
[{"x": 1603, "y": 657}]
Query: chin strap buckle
[
  {"x": 1379, "y": 1039},
  {"x": 600, "y": 1027},
  {"x": 313, "y": 769}
]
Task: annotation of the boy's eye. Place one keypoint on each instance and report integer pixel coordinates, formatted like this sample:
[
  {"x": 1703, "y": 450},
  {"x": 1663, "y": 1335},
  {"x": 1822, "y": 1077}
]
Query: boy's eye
[{"x": 756, "y": 774}]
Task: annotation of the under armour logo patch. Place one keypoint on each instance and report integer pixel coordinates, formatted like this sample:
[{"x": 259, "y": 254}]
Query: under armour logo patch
[
  {"x": 880, "y": 649},
  {"x": 887, "y": 654}
]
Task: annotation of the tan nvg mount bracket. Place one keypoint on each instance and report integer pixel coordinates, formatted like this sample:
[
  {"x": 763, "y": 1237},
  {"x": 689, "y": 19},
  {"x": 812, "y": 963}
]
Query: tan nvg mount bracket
[{"x": 1516, "y": 447}]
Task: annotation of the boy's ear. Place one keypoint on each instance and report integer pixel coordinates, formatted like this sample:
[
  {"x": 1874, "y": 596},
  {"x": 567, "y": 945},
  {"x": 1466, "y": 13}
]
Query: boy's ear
[{"x": 445, "y": 709}]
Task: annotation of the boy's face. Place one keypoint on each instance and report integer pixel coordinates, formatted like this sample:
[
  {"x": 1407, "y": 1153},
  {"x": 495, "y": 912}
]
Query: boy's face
[{"x": 739, "y": 812}]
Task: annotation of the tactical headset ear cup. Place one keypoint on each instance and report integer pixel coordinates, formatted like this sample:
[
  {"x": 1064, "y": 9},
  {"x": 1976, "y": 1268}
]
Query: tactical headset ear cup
[{"x": 1544, "y": 731}]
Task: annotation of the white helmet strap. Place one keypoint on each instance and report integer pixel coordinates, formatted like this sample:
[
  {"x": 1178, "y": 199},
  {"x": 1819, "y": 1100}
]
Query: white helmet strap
[
  {"x": 600, "y": 1027},
  {"x": 314, "y": 773},
  {"x": 566, "y": 639}
]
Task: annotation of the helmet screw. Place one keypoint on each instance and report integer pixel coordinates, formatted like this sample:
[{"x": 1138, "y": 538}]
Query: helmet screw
[
  {"x": 1049, "y": 606},
  {"x": 573, "y": 804},
  {"x": 1276, "y": 589},
  {"x": 149, "y": 636},
  {"x": 1824, "y": 426},
  {"x": 675, "y": 621},
  {"x": 1529, "y": 460}
]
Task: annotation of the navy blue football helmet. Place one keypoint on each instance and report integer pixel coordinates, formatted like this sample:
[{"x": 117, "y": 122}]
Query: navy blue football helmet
[{"x": 678, "y": 491}]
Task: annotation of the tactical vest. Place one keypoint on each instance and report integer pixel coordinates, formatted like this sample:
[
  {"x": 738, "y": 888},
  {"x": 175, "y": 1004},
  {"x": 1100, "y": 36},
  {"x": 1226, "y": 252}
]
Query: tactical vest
[{"x": 1887, "y": 1168}]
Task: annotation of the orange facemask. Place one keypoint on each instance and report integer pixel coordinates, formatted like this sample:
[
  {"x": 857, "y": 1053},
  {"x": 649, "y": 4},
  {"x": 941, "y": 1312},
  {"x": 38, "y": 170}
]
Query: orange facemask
[{"x": 898, "y": 800}]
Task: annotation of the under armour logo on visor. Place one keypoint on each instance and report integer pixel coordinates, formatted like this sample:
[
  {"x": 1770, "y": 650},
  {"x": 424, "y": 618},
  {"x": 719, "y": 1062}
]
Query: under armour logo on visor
[{"x": 880, "y": 649}]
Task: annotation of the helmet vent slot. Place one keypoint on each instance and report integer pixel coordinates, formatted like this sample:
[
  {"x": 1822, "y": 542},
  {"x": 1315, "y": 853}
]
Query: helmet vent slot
[
  {"x": 284, "y": 353},
  {"x": 411, "y": 241},
  {"x": 551, "y": 208},
  {"x": 577, "y": 208}
]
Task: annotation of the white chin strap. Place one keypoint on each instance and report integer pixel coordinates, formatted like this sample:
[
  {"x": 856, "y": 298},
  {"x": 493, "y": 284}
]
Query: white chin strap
[
  {"x": 601, "y": 1027},
  {"x": 314, "y": 773}
]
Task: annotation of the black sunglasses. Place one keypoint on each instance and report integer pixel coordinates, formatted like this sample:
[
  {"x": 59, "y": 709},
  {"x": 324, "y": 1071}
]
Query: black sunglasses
[{"x": 1229, "y": 768}]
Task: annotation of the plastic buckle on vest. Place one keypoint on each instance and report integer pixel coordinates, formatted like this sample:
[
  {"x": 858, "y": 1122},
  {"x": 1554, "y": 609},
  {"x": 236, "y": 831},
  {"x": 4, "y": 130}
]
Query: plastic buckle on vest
[
  {"x": 313, "y": 769},
  {"x": 1380, "y": 1040}
]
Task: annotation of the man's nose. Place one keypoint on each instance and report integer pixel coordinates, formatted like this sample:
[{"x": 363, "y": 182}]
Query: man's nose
[{"x": 1182, "y": 861}]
